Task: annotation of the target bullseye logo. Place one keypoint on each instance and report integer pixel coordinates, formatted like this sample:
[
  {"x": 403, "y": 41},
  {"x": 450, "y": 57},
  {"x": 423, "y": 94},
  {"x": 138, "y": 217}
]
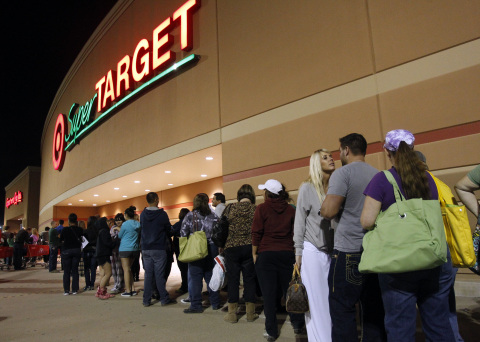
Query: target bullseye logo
[{"x": 58, "y": 152}]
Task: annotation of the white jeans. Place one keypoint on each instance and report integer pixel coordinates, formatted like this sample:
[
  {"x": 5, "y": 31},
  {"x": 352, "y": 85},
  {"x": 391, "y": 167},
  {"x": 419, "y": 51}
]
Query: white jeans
[{"x": 314, "y": 272}]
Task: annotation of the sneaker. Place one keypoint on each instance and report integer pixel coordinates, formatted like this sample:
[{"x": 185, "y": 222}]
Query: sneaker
[
  {"x": 146, "y": 304},
  {"x": 66, "y": 293},
  {"x": 126, "y": 294},
  {"x": 91, "y": 288},
  {"x": 86, "y": 288},
  {"x": 185, "y": 300},
  {"x": 74, "y": 293},
  {"x": 114, "y": 291},
  {"x": 134, "y": 293},
  {"x": 169, "y": 302}
]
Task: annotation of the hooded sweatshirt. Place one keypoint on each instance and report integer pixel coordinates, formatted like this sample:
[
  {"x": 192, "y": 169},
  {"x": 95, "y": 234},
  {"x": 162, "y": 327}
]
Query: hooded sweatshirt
[
  {"x": 155, "y": 225},
  {"x": 272, "y": 228}
]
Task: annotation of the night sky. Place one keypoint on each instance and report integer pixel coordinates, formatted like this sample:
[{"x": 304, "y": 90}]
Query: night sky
[{"x": 40, "y": 41}]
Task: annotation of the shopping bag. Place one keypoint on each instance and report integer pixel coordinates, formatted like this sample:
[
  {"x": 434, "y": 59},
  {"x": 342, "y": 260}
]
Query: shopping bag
[
  {"x": 457, "y": 227},
  {"x": 408, "y": 236},
  {"x": 193, "y": 248},
  {"x": 218, "y": 279}
]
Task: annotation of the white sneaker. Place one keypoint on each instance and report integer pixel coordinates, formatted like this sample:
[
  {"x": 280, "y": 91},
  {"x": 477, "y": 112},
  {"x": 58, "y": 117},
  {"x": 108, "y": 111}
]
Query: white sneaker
[
  {"x": 185, "y": 300},
  {"x": 66, "y": 293}
]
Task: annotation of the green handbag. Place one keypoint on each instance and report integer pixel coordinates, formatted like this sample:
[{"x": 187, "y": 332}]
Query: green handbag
[
  {"x": 194, "y": 247},
  {"x": 408, "y": 236}
]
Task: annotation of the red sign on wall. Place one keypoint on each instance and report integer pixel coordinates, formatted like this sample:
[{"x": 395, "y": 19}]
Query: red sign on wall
[{"x": 17, "y": 198}]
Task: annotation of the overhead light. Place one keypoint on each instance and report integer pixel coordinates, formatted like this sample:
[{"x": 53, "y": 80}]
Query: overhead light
[
  {"x": 168, "y": 171},
  {"x": 203, "y": 176},
  {"x": 108, "y": 201},
  {"x": 209, "y": 158},
  {"x": 95, "y": 195},
  {"x": 116, "y": 188},
  {"x": 124, "y": 196},
  {"x": 80, "y": 200},
  {"x": 94, "y": 205},
  {"x": 137, "y": 182},
  {"x": 170, "y": 184},
  {"x": 147, "y": 190},
  {"x": 69, "y": 203}
]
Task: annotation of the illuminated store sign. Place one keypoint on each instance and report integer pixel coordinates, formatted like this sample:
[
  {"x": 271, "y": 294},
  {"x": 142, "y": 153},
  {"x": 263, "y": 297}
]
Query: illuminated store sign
[
  {"x": 151, "y": 62},
  {"x": 17, "y": 198}
]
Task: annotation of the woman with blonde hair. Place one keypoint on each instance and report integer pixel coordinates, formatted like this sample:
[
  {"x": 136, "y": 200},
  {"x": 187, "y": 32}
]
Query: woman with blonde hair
[
  {"x": 35, "y": 236},
  {"x": 313, "y": 240}
]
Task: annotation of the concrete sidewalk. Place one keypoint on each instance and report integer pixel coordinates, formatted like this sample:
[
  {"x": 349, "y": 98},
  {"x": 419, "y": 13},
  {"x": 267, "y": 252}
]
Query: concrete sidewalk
[{"x": 33, "y": 308}]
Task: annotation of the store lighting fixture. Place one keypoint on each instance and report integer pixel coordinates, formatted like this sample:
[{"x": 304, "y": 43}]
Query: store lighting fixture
[
  {"x": 95, "y": 195},
  {"x": 170, "y": 184},
  {"x": 108, "y": 201},
  {"x": 116, "y": 188},
  {"x": 209, "y": 158},
  {"x": 124, "y": 196},
  {"x": 69, "y": 203},
  {"x": 94, "y": 205},
  {"x": 80, "y": 200},
  {"x": 203, "y": 176},
  {"x": 147, "y": 190},
  {"x": 168, "y": 171},
  {"x": 136, "y": 182}
]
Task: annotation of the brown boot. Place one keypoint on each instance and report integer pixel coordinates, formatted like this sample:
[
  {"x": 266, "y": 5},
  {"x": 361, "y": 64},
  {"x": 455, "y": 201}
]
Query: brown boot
[
  {"x": 251, "y": 315},
  {"x": 231, "y": 316}
]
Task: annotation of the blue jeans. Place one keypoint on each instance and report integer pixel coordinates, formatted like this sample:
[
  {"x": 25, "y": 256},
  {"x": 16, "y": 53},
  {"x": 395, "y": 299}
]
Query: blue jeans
[
  {"x": 52, "y": 258},
  {"x": 402, "y": 292},
  {"x": 197, "y": 271},
  {"x": 347, "y": 286},
  {"x": 154, "y": 262},
  {"x": 71, "y": 259},
  {"x": 90, "y": 266},
  {"x": 447, "y": 291}
]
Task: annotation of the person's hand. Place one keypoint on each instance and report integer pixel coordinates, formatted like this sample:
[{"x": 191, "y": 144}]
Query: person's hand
[
  {"x": 255, "y": 258},
  {"x": 298, "y": 261},
  {"x": 220, "y": 250}
]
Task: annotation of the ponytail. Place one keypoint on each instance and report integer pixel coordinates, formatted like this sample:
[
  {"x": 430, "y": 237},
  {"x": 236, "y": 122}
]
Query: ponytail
[{"x": 412, "y": 172}]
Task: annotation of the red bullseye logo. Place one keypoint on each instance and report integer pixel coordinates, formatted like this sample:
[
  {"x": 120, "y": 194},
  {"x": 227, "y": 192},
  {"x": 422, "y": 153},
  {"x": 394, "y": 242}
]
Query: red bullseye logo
[{"x": 58, "y": 152}]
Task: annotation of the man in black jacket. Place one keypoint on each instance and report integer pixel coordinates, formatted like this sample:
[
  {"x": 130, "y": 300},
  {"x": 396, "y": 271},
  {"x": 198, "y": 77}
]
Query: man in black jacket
[
  {"x": 155, "y": 228},
  {"x": 21, "y": 239}
]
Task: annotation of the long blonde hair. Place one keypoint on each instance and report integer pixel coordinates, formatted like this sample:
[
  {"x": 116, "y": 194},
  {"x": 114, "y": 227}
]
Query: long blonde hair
[{"x": 316, "y": 174}]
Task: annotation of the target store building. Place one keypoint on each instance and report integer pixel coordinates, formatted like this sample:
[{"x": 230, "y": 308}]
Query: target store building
[{"x": 188, "y": 96}]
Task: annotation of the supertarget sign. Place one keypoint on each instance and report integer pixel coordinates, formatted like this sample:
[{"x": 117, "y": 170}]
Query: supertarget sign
[{"x": 152, "y": 61}]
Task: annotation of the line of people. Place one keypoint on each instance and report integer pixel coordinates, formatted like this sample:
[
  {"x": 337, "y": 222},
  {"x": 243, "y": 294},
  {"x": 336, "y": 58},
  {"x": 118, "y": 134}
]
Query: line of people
[{"x": 323, "y": 235}]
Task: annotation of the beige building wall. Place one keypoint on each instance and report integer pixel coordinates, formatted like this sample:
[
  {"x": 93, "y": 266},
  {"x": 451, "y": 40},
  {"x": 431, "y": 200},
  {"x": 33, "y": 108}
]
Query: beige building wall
[
  {"x": 279, "y": 79},
  {"x": 25, "y": 212}
]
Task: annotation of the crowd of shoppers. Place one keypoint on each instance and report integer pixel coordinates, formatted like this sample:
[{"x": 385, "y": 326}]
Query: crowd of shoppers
[{"x": 322, "y": 235}]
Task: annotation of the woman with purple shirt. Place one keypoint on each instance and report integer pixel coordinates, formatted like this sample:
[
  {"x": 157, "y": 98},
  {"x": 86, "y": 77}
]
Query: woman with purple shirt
[{"x": 402, "y": 292}]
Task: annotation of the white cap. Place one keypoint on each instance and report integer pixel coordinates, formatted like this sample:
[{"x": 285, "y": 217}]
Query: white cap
[{"x": 271, "y": 185}]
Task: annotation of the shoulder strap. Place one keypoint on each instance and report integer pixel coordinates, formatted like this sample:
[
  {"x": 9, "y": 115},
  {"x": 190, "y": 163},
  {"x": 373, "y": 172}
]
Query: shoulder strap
[{"x": 396, "y": 190}]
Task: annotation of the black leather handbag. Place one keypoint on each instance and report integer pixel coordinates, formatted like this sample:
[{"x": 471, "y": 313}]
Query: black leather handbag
[{"x": 297, "y": 298}]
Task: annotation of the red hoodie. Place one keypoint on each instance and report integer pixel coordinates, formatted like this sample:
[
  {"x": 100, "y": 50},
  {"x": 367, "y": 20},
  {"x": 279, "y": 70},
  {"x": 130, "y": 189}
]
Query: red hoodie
[{"x": 272, "y": 228}]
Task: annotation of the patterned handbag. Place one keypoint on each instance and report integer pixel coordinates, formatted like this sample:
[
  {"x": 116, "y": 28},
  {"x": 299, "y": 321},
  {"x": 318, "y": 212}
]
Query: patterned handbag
[{"x": 297, "y": 298}]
